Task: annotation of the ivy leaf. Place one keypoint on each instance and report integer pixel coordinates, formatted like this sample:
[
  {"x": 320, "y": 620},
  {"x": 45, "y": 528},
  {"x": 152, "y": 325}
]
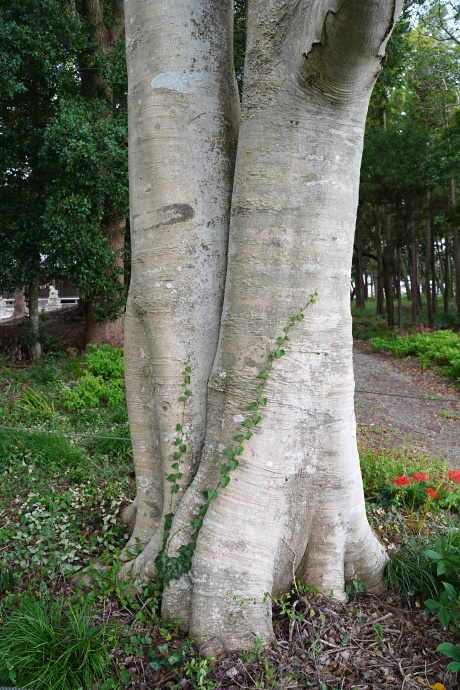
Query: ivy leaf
[
  {"x": 249, "y": 434},
  {"x": 239, "y": 438},
  {"x": 280, "y": 341},
  {"x": 202, "y": 511},
  {"x": 286, "y": 329},
  {"x": 187, "y": 392},
  {"x": 252, "y": 407},
  {"x": 178, "y": 441},
  {"x": 187, "y": 379},
  {"x": 178, "y": 475},
  {"x": 263, "y": 374},
  {"x": 175, "y": 488},
  {"x": 262, "y": 401},
  {"x": 239, "y": 450},
  {"x": 178, "y": 427},
  {"x": 224, "y": 469},
  {"x": 256, "y": 418},
  {"x": 175, "y": 466},
  {"x": 233, "y": 464},
  {"x": 279, "y": 353},
  {"x": 224, "y": 481},
  {"x": 271, "y": 358},
  {"x": 171, "y": 478},
  {"x": 183, "y": 448},
  {"x": 188, "y": 369},
  {"x": 230, "y": 453},
  {"x": 247, "y": 423},
  {"x": 182, "y": 398},
  {"x": 259, "y": 390},
  {"x": 301, "y": 317},
  {"x": 177, "y": 455}
]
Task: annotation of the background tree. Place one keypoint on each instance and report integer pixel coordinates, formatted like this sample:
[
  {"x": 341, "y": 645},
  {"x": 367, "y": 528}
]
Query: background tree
[{"x": 64, "y": 174}]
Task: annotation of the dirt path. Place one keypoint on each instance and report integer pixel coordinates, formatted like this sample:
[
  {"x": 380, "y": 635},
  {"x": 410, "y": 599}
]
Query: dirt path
[{"x": 428, "y": 424}]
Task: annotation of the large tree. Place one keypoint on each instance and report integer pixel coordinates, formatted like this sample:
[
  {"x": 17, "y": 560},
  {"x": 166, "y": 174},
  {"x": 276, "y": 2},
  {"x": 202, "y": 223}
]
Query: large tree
[
  {"x": 63, "y": 162},
  {"x": 275, "y": 227}
]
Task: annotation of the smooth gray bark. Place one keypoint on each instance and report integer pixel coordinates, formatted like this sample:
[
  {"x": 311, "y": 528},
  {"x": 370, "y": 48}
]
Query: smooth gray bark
[
  {"x": 183, "y": 122},
  {"x": 295, "y": 505}
]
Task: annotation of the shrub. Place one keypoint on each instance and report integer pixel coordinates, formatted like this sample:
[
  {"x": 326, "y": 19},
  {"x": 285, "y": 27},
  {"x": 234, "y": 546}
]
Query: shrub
[
  {"x": 102, "y": 383},
  {"x": 441, "y": 348}
]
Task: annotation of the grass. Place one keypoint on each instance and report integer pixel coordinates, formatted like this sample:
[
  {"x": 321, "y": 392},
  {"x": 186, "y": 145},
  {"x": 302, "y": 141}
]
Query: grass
[{"x": 53, "y": 645}]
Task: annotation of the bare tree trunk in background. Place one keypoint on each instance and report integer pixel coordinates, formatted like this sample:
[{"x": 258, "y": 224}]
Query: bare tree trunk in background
[
  {"x": 447, "y": 272},
  {"x": 19, "y": 305},
  {"x": 389, "y": 270},
  {"x": 456, "y": 255},
  {"x": 434, "y": 290},
  {"x": 107, "y": 330},
  {"x": 398, "y": 290},
  {"x": 413, "y": 272},
  {"x": 34, "y": 317},
  {"x": 428, "y": 263},
  {"x": 403, "y": 272},
  {"x": 359, "y": 289},
  {"x": 380, "y": 306},
  {"x": 295, "y": 502}
]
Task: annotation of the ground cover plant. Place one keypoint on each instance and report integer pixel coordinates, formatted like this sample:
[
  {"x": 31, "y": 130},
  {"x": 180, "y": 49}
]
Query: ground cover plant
[
  {"x": 60, "y": 500},
  {"x": 440, "y": 348}
]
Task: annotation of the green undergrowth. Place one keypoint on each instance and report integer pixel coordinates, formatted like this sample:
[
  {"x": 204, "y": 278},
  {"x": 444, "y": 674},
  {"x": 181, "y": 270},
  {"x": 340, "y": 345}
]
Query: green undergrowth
[
  {"x": 59, "y": 495},
  {"x": 368, "y": 324},
  {"x": 441, "y": 348},
  {"x": 413, "y": 503}
]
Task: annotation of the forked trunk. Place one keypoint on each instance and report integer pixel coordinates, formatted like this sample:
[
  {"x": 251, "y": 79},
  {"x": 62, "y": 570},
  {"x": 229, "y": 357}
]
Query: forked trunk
[{"x": 295, "y": 504}]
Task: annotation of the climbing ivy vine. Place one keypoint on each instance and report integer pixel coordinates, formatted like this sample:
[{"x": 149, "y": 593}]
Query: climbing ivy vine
[{"x": 173, "y": 567}]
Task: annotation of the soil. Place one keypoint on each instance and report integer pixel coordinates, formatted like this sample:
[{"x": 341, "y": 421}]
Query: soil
[{"x": 398, "y": 403}]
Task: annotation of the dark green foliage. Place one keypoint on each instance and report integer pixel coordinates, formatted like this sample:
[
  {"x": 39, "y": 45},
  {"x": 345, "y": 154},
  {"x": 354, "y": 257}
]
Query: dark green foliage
[{"x": 63, "y": 155}]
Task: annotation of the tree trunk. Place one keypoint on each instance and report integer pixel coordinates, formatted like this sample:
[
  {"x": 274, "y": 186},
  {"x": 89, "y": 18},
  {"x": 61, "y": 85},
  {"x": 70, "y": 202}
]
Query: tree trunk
[
  {"x": 446, "y": 273},
  {"x": 398, "y": 292},
  {"x": 429, "y": 303},
  {"x": 380, "y": 307},
  {"x": 433, "y": 273},
  {"x": 402, "y": 268},
  {"x": 107, "y": 330},
  {"x": 295, "y": 503},
  {"x": 456, "y": 254},
  {"x": 413, "y": 276},
  {"x": 388, "y": 270},
  {"x": 359, "y": 290},
  {"x": 34, "y": 318},
  {"x": 183, "y": 114},
  {"x": 19, "y": 310}
]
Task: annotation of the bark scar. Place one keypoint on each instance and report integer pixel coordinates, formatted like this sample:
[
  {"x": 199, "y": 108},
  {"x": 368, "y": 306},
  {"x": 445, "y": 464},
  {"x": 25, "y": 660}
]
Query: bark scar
[{"x": 172, "y": 214}]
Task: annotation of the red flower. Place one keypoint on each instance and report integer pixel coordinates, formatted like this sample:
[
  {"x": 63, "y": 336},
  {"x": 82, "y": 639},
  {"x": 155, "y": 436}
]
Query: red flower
[
  {"x": 401, "y": 481},
  {"x": 431, "y": 493},
  {"x": 454, "y": 475},
  {"x": 419, "y": 477}
]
